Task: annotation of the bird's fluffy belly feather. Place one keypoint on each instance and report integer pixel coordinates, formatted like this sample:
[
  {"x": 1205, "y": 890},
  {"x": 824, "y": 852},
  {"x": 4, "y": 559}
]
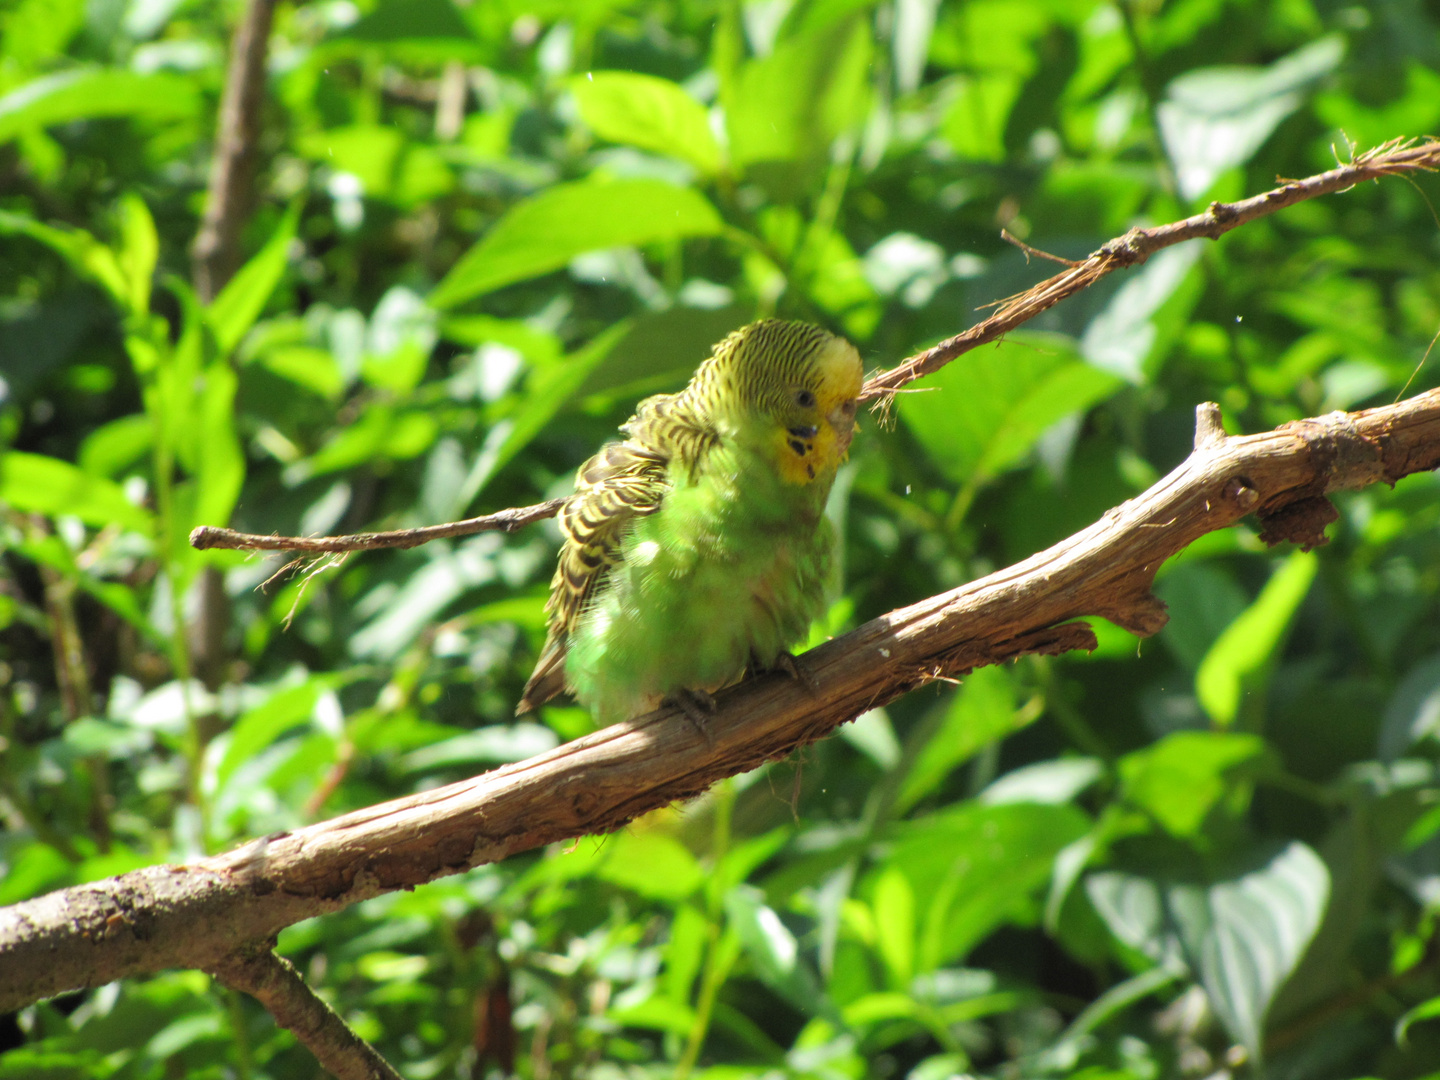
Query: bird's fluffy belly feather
[{"x": 700, "y": 593}]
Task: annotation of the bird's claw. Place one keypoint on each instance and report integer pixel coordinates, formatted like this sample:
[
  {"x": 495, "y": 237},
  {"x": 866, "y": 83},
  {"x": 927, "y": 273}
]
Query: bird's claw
[
  {"x": 697, "y": 705},
  {"x": 787, "y": 663}
]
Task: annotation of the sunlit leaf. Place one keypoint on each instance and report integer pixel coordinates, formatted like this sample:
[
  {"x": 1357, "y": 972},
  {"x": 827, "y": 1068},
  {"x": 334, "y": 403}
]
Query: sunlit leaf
[
  {"x": 651, "y": 113},
  {"x": 1213, "y": 119},
  {"x": 46, "y": 485},
  {"x": 1182, "y": 777},
  {"x": 545, "y": 232},
  {"x": 1238, "y": 663},
  {"x": 240, "y": 302},
  {"x": 92, "y": 93}
]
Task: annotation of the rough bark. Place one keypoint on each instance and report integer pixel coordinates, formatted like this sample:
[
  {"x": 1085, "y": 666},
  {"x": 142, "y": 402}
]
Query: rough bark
[{"x": 198, "y": 914}]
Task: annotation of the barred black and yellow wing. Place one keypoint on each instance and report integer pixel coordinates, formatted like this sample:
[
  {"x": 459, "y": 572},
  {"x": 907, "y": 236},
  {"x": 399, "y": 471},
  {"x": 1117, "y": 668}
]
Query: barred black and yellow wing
[{"x": 622, "y": 482}]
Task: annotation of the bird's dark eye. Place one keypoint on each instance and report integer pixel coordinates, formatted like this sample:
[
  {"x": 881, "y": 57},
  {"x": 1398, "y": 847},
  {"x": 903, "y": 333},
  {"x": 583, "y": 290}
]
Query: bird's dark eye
[{"x": 805, "y": 399}]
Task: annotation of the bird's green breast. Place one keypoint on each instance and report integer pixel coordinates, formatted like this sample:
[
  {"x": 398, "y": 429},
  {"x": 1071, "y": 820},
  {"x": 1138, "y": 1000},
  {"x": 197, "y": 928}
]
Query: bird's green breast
[{"x": 732, "y": 568}]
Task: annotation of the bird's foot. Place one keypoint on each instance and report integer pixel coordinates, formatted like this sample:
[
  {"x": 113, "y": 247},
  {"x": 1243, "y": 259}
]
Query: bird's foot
[
  {"x": 697, "y": 705},
  {"x": 787, "y": 662}
]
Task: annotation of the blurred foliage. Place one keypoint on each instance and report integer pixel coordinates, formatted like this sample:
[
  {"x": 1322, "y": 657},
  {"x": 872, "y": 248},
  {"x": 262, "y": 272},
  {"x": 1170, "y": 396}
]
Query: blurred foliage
[{"x": 483, "y": 232}]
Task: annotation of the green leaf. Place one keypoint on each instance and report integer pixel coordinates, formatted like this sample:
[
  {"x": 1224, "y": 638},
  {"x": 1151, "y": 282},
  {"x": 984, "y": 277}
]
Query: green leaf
[
  {"x": 91, "y": 93},
  {"x": 1237, "y": 666},
  {"x": 403, "y": 20},
  {"x": 1241, "y": 936},
  {"x": 551, "y": 389},
  {"x": 652, "y": 864},
  {"x": 1245, "y": 936},
  {"x": 975, "y": 867},
  {"x": 895, "y": 925},
  {"x": 87, "y": 256},
  {"x": 138, "y": 252},
  {"x": 545, "y": 232},
  {"x": 653, "y": 114},
  {"x": 982, "y": 711},
  {"x": 1213, "y": 119},
  {"x": 46, "y": 485},
  {"x": 1426, "y": 1010},
  {"x": 773, "y": 951},
  {"x": 220, "y": 464},
  {"x": 239, "y": 304},
  {"x": 492, "y": 744},
  {"x": 1126, "y": 338},
  {"x": 1181, "y": 778},
  {"x": 789, "y": 106},
  {"x": 981, "y": 415}
]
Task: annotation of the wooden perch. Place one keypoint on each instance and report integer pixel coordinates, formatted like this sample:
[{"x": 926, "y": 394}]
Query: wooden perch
[{"x": 203, "y": 913}]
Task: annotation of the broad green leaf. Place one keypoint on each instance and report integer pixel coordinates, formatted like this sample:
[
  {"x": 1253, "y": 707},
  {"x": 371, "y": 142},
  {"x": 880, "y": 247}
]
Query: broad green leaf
[
  {"x": 1242, "y": 936},
  {"x": 46, "y": 485},
  {"x": 1238, "y": 664},
  {"x": 982, "y": 711},
  {"x": 1125, "y": 339},
  {"x": 774, "y": 952},
  {"x": 220, "y": 465},
  {"x": 113, "y": 448},
  {"x": 239, "y": 304},
  {"x": 975, "y": 867},
  {"x": 1181, "y": 778},
  {"x": 439, "y": 581},
  {"x": 651, "y": 113},
  {"x": 370, "y": 152},
  {"x": 1426, "y": 1010},
  {"x": 1213, "y": 119},
  {"x": 981, "y": 415},
  {"x": 546, "y": 231},
  {"x": 380, "y": 432},
  {"x": 652, "y": 864},
  {"x": 87, "y": 256},
  {"x": 1203, "y": 598},
  {"x": 1245, "y": 936},
  {"x": 1413, "y": 711},
  {"x": 1049, "y": 782},
  {"x": 91, "y": 93},
  {"x": 656, "y": 1013},
  {"x": 684, "y": 951},
  {"x": 257, "y": 729},
  {"x": 790, "y": 105},
  {"x": 974, "y": 124}
]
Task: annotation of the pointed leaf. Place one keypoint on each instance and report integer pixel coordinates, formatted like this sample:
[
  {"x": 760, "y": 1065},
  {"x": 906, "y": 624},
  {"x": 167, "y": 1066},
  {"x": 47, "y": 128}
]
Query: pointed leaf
[
  {"x": 546, "y": 231},
  {"x": 653, "y": 114}
]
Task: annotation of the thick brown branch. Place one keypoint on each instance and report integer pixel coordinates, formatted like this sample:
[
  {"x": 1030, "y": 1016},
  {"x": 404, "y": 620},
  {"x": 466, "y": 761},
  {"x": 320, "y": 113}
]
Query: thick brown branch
[
  {"x": 1137, "y": 245},
  {"x": 208, "y": 536},
  {"x": 194, "y": 915},
  {"x": 274, "y": 982}
]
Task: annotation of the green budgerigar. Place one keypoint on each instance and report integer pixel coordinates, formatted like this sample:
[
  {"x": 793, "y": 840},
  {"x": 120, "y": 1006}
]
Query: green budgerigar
[{"x": 698, "y": 547}]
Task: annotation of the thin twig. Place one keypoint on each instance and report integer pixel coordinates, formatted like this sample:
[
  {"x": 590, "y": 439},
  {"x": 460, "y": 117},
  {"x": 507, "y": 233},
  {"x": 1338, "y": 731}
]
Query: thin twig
[
  {"x": 1135, "y": 247},
  {"x": 207, "y": 536},
  {"x": 1132, "y": 249}
]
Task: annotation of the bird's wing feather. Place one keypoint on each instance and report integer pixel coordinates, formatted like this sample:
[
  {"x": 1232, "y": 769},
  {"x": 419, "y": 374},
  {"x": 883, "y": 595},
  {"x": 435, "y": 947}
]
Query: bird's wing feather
[{"x": 624, "y": 481}]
